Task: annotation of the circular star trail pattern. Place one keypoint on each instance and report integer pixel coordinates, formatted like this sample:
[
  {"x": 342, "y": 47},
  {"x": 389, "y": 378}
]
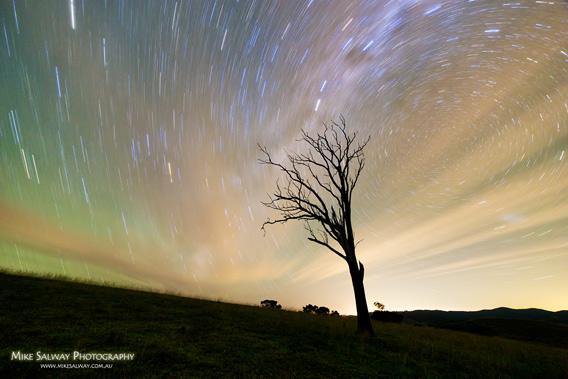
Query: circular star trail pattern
[{"x": 129, "y": 131}]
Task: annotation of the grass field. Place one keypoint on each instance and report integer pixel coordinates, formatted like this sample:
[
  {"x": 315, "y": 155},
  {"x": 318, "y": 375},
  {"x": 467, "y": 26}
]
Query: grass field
[{"x": 182, "y": 337}]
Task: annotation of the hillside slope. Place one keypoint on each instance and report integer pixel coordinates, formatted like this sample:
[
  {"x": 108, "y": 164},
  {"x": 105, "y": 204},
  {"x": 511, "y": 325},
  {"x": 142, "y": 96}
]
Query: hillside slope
[{"x": 183, "y": 337}]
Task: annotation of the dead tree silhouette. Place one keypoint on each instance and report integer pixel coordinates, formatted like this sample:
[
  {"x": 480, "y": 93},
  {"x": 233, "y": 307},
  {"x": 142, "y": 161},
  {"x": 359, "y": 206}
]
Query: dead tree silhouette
[{"x": 318, "y": 190}]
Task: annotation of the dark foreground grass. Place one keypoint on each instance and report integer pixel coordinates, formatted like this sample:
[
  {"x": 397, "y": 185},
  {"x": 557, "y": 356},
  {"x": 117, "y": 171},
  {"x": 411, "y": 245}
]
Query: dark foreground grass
[{"x": 181, "y": 337}]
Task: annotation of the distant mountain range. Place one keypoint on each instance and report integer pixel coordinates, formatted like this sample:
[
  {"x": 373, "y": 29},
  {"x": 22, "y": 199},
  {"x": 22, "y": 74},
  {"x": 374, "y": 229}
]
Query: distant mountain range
[
  {"x": 535, "y": 325},
  {"x": 502, "y": 313}
]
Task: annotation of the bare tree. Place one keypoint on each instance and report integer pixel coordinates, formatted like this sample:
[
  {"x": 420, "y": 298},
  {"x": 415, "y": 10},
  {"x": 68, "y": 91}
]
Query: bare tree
[{"x": 318, "y": 190}]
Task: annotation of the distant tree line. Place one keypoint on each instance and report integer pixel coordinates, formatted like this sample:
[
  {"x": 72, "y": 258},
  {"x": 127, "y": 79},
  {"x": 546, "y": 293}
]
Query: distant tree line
[
  {"x": 314, "y": 309},
  {"x": 379, "y": 315}
]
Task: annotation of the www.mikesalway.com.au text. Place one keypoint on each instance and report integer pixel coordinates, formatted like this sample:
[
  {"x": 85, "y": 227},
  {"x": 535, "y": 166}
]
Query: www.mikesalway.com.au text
[{"x": 75, "y": 365}]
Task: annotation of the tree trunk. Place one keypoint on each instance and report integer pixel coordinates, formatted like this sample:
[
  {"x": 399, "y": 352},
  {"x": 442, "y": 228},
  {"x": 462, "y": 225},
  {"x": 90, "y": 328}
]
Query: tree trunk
[{"x": 364, "y": 325}]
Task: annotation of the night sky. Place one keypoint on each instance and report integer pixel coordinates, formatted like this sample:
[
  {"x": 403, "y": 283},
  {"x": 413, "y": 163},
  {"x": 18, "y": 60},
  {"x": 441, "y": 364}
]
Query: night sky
[{"x": 129, "y": 131}]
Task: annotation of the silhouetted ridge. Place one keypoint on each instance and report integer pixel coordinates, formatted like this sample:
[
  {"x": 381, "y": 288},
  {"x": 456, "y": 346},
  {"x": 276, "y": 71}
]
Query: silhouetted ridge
[{"x": 531, "y": 324}]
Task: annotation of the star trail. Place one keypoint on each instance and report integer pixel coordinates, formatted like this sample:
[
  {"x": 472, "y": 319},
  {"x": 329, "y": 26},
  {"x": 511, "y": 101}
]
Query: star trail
[{"x": 129, "y": 131}]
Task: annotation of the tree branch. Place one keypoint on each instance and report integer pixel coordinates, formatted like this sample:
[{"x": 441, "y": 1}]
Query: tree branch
[{"x": 319, "y": 185}]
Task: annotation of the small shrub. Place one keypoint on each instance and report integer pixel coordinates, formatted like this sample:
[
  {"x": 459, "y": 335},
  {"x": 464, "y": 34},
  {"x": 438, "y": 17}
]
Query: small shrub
[
  {"x": 273, "y": 304},
  {"x": 380, "y": 306}
]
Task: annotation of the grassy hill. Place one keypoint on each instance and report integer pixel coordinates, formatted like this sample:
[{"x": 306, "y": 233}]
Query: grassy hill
[{"x": 182, "y": 337}]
